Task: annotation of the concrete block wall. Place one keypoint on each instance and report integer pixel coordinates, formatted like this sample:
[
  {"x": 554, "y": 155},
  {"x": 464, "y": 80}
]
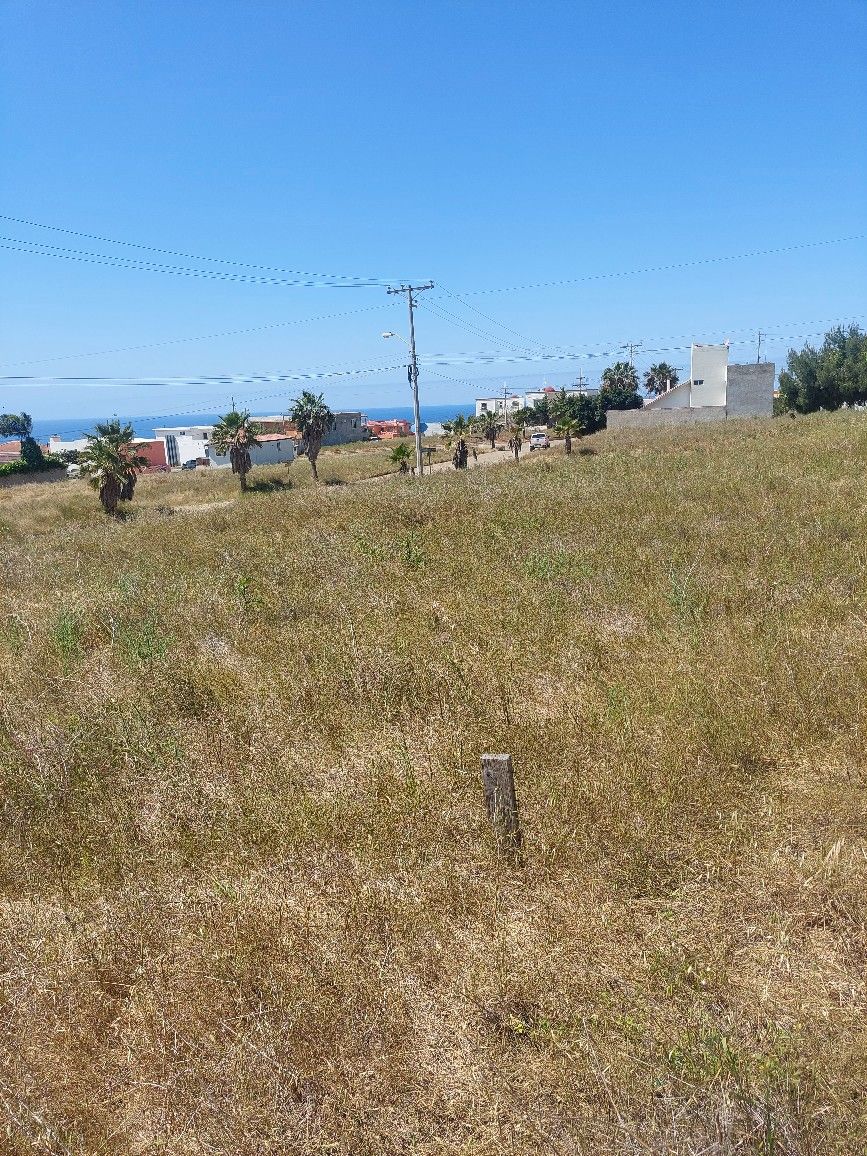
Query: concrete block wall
[
  {"x": 644, "y": 418},
  {"x": 750, "y": 390}
]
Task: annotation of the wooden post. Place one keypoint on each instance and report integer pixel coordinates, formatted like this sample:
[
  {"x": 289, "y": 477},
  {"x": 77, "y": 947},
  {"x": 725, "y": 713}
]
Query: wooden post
[{"x": 498, "y": 781}]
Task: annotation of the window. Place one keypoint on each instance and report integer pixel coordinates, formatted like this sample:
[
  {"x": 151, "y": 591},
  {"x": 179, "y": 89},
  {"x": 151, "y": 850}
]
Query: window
[
  {"x": 698, "y": 381},
  {"x": 484, "y": 406}
]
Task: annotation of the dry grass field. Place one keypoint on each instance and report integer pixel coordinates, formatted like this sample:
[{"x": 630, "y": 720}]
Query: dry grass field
[{"x": 248, "y": 895}]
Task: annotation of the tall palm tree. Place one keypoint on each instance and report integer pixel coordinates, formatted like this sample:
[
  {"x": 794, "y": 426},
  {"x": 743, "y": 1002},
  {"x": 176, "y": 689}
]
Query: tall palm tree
[
  {"x": 620, "y": 387},
  {"x": 313, "y": 419},
  {"x": 660, "y": 377},
  {"x": 235, "y": 435},
  {"x": 111, "y": 464}
]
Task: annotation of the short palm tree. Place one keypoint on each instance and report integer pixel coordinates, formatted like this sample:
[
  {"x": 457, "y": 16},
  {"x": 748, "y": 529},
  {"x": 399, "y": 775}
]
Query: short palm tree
[
  {"x": 235, "y": 435},
  {"x": 111, "y": 464},
  {"x": 313, "y": 419},
  {"x": 459, "y": 427},
  {"x": 400, "y": 456},
  {"x": 569, "y": 428},
  {"x": 490, "y": 425}
]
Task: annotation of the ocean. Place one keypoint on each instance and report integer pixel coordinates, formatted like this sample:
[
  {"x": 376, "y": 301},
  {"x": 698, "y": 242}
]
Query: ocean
[{"x": 69, "y": 428}]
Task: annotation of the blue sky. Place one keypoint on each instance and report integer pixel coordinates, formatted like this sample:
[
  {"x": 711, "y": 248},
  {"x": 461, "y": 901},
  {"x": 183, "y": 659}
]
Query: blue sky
[{"x": 482, "y": 145}]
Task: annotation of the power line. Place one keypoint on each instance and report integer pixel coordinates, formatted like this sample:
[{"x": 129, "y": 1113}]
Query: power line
[
  {"x": 528, "y": 340},
  {"x": 177, "y": 253},
  {"x": 38, "y": 249},
  {"x": 467, "y": 326},
  {"x": 439, "y": 361},
  {"x": 199, "y": 337},
  {"x": 665, "y": 268}
]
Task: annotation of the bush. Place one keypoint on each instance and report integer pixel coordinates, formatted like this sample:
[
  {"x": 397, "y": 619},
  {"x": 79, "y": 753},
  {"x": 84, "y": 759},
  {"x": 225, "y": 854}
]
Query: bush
[{"x": 45, "y": 462}]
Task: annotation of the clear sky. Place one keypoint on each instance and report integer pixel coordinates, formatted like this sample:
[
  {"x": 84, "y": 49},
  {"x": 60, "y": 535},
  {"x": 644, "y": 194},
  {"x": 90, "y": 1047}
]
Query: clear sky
[{"x": 483, "y": 144}]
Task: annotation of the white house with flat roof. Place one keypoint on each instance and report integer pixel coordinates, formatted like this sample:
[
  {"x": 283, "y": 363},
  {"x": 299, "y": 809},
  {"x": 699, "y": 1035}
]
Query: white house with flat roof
[{"x": 511, "y": 402}]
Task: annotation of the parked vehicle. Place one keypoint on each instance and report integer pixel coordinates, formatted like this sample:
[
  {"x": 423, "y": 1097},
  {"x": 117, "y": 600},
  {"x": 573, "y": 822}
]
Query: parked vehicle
[
  {"x": 540, "y": 441},
  {"x": 190, "y": 465},
  {"x": 73, "y": 470}
]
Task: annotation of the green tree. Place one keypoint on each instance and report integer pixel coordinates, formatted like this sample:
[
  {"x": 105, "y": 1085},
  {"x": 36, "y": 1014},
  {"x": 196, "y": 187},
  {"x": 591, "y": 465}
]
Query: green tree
[
  {"x": 400, "y": 456},
  {"x": 313, "y": 419},
  {"x": 16, "y": 425},
  {"x": 235, "y": 435},
  {"x": 20, "y": 425},
  {"x": 659, "y": 377},
  {"x": 826, "y": 378},
  {"x": 111, "y": 464},
  {"x": 620, "y": 388}
]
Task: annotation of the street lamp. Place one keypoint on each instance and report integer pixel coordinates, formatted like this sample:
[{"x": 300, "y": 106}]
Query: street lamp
[{"x": 413, "y": 381}]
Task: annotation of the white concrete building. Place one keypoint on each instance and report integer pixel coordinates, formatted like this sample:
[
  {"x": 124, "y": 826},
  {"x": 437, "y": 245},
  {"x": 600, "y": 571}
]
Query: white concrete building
[
  {"x": 273, "y": 449},
  {"x": 715, "y": 391},
  {"x": 513, "y": 402},
  {"x": 58, "y": 445},
  {"x": 500, "y": 405},
  {"x": 185, "y": 443}
]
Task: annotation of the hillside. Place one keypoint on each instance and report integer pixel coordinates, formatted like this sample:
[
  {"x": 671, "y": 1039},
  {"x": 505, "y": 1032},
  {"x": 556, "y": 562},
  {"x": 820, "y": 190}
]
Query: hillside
[{"x": 250, "y": 901}]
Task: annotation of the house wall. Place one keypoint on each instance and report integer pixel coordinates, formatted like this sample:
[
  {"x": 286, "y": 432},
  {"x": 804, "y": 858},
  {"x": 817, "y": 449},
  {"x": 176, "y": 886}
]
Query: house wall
[
  {"x": 750, "y": 390},
  {"x": 38, "y": 478},
  {"x": 708, "y": 375},
  {"x": 495, "y": 405},
  {"x": 57, "y": 444},
  {"x": 348, "y": 427},
  {"x": 154, "y": 451},
  {"x": 677, "y": 398},
  {"x": 267, "y": 453},
  {"x": 651, "y": 416}
]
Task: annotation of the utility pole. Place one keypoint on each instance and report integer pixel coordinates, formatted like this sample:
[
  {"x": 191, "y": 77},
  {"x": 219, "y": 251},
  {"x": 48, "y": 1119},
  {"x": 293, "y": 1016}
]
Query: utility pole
[
  {"x": 759, "y": 349},
  {"x": 632, "y": 346},
  {"x": 580, "y": 381},
  {"x": 412, "y": 368}
]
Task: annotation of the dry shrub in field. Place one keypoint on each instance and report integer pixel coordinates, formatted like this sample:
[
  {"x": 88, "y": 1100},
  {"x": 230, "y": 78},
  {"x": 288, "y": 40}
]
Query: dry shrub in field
[{"x": 250, "y": 899}]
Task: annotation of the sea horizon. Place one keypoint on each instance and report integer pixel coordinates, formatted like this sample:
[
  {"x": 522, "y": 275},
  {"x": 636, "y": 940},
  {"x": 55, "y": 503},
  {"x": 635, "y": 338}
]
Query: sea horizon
[{"x": 76, "y": 427}]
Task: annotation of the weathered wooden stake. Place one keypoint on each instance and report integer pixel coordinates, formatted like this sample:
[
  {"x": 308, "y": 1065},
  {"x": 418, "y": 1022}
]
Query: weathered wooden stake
[{"x": 498, "y": 781}]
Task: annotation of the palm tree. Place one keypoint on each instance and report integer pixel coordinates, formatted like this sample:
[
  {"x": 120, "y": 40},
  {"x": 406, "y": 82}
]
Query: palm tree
[
  {"x": 490, "y": 425},
  {"x": 460, "y": 426},
  {"x": 313, "y": 419},
  {"x": 400, "y": 456},
  {"x": 660, "y": 378},
  {"x": 620, "y": 387},
  {"x": 569, "y": 428},
  {"x": 111, "y": 463},
  {"x": 235, "y": 435}
]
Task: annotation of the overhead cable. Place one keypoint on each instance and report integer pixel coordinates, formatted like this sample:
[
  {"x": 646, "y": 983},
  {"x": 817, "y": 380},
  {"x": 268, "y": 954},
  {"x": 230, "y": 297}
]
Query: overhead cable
[
  {"x": 664, "y": 268},
  {"x": 199, "y": 337},
  {"x": 177, "y": 253},
  {"x": 38, "y": 249}
]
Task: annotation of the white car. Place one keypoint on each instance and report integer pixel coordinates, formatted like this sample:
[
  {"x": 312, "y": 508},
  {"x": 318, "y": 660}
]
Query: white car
[
  {"x": 73, "y": 470},
  {"x": 540, "y": 441}
]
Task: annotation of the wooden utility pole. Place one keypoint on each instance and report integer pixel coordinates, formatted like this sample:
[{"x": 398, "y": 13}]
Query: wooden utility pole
[
  {"x": 412, "y": 368},
  {"x": 759, "y": 349},
  {"x": 498, "y": 781}
]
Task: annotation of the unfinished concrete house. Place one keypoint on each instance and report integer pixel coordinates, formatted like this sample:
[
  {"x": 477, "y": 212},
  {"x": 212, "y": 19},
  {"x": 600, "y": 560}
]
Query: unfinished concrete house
[{"x": 715, "y": 391}]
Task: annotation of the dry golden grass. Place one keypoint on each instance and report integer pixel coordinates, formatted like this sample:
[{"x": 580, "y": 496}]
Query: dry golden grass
[{"x": 250, "y": 902}]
